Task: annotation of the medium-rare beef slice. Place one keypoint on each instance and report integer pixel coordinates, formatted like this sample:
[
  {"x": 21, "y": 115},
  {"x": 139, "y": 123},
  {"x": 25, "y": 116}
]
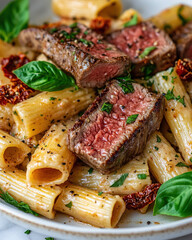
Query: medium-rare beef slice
[
  {"x": 135, "y": 40},
  {"x": 183, "y": 40},
  {"x": 79, "y": 51},
  {"x": 107, "y": 139}
]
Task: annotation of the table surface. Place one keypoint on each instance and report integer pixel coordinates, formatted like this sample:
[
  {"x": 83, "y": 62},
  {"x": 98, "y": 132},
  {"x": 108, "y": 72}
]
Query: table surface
[{"x": 10, "y": 231}]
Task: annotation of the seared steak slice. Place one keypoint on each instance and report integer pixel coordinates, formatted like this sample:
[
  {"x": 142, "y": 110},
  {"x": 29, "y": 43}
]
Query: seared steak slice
[
  {"x": 134, "y": 40},
  {"x": 79, "y": 51},
  {"x": 107, "y": 140},
  {"x": 183, "y": 40}
]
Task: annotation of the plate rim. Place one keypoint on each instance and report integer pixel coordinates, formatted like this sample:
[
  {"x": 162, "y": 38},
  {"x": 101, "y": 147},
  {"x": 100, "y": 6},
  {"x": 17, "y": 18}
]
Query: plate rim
[{"x": 60, "y": 228}]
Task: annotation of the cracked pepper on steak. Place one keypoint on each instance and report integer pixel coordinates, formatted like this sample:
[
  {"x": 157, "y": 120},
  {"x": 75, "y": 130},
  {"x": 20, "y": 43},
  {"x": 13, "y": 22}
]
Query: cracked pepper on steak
[{"x": 104, "y": 141}]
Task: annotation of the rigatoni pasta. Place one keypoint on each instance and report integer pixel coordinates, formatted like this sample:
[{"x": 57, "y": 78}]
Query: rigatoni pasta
[
  {"x": 40, "y": 199},
  {"x": 101, "y": 210},
  {"x": 85, "y": 176},
  {"x": 38, "y": 113},
  {"x": 12, "y": 151},
  {"x": 52, "y": 161},
  {"x": 78, "y": 9},
  {"x": 178, "y": 110},
  {"x": 164, "y": 162}
]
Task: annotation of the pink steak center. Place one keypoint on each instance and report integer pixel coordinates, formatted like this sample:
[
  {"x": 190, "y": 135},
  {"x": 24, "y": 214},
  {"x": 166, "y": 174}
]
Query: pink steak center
[{"x": 105, "y": 132}]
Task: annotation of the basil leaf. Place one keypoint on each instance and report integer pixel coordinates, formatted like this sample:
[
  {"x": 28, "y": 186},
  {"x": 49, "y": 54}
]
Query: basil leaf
[
  {"x": 147, "y": 51},
  {"x": 20, "y": 205},
  {"x": 132, "y": 118},
  {"x": 107, "y": 107},
  {"x": 132, "y": 22},
  {"x": 44, "y": 76},
  {"x": 174, "y": 197},
  {"x": 120, "y": 181},
  {"x": 14, "y": 18}
]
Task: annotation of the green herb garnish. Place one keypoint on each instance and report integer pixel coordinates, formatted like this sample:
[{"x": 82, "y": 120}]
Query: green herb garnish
[
  {"x": 27, "y": 232},
  {"x": 126, "y": 84},
  {"x": 86, "y": 42},
  {"x": 132, "y": 118},
  {"x": 179, "y": 13},
  {"x": 73, "y": 25},
  {"x": 20, "y": 205},
  {"x": 120, "y": 181},
  {"x": 133, "y": 21},
  {"x": 147, "y": 51},
  {"x": 13, "y": 19},
  {"x": 69, "y": 205},
  {"x": 107, "y": 107},
  {"x": 148, "y": 70},
  {"x": 44, "y": 76},
  {"x": 181, "y": 164},
  {"x": 156, "y": 148},
  {"x": 100, "y": 193},
  {"x": 167, "y": 27},
  {"x": 49, "y": 238},
  {"x": 90, "y": 170},
  {"x": 158, "y": 139},
  {"x": 170, "y": 96},
  {"x": 174, "y": 197},
  {"x": 52, "y": 98},
  {"x": 165, "y": 77},
  {"x": 141, "y": 176},
  {"x": 53, "y": 30}
]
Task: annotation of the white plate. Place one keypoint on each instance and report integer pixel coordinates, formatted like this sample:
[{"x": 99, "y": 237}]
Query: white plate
[{"x": 133, "y": 224}]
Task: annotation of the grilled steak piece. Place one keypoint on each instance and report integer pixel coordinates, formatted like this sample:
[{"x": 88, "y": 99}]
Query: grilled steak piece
[
  {"x": 134, "y": 40},
  {"x": 107, "y": 140},
  {"x": 183, "y": 40},
  {"x": 79, "y": 51}
]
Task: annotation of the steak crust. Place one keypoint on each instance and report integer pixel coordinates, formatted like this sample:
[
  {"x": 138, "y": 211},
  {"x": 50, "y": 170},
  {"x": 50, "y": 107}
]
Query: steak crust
[
  {"x": 104, "y": 140},
  {"x": 135, "y": 39},
  {"x": 79, "y": 51}
]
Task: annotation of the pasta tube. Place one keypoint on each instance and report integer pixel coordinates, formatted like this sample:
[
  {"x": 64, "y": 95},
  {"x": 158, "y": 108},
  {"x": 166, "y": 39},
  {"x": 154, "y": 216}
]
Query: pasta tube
[
  {"x": 40, "y": 199},
  {"x": 87, "y": 8},
  {"x": 12, "y": 151},
  {"x": 178, "y": 110},
  {"x": 164, "y": 162},
  {"x": 38, "y": 113},
  {"x": 166, "y": 131},
  {"x": 6, "y": 117},
  {"x": 52, "y": 161},
  {"x": 85, "y": 176},
  {"x": 89, "y": 206},
  {"x": 171, "y": 18}
]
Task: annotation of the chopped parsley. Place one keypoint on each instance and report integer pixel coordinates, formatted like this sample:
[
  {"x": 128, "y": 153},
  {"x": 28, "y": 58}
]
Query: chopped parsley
[
  {"x": 156, "y": 148},
  {"x": 171, "y": 70},
  {"x": 176, "y": 155},
  {"x": 132, "y": 118},
  {"x": 49, "y": 238},
  {"x": 86, "y": 42},
  {"x": 52, "y": 98},
  {"x": 73, "y": 25},
  {"x": 147, "y": 51},
  {"x": 53, "y": 30},
  {"x": 69, "y": 205},
  {"x": 100, "y": 193},
  {"x": 158, "y": 139},
  {"x": 27, "y": 232},
  {"x": 120, "y": 181},
  {"x": 148, "y": 70},
  {"x": 165, "y": 77},
  {"x": 81, "y": 113},
  {"x": 108, "y": 49},
  {"x": 181, "y": 164},
  {"x": 20, "y": 205},
  {"x": 170, "y": 96},
  {"x": 133, "y": 21},
  {"x": 141, "y": 176},
  {"x": 181, "y": 17},
  {"x": 15, "y": 113},
  {"x": 167, "y": 27},
  {"x": 90, "y": 170},
  {"x": 190, "y": 159},
  {"x": 107, "y": 107},
  {"x": 86, "y": 32},
  {"x": 126, "y": 84}
]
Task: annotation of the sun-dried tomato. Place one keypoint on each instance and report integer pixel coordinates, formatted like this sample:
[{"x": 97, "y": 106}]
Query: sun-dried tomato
[
  {"x": 16, "y": 91},
  {"x": 141, "y": 199},
  {"x": 184, "y": 69},
  {"x": 101, "y": 25}
]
